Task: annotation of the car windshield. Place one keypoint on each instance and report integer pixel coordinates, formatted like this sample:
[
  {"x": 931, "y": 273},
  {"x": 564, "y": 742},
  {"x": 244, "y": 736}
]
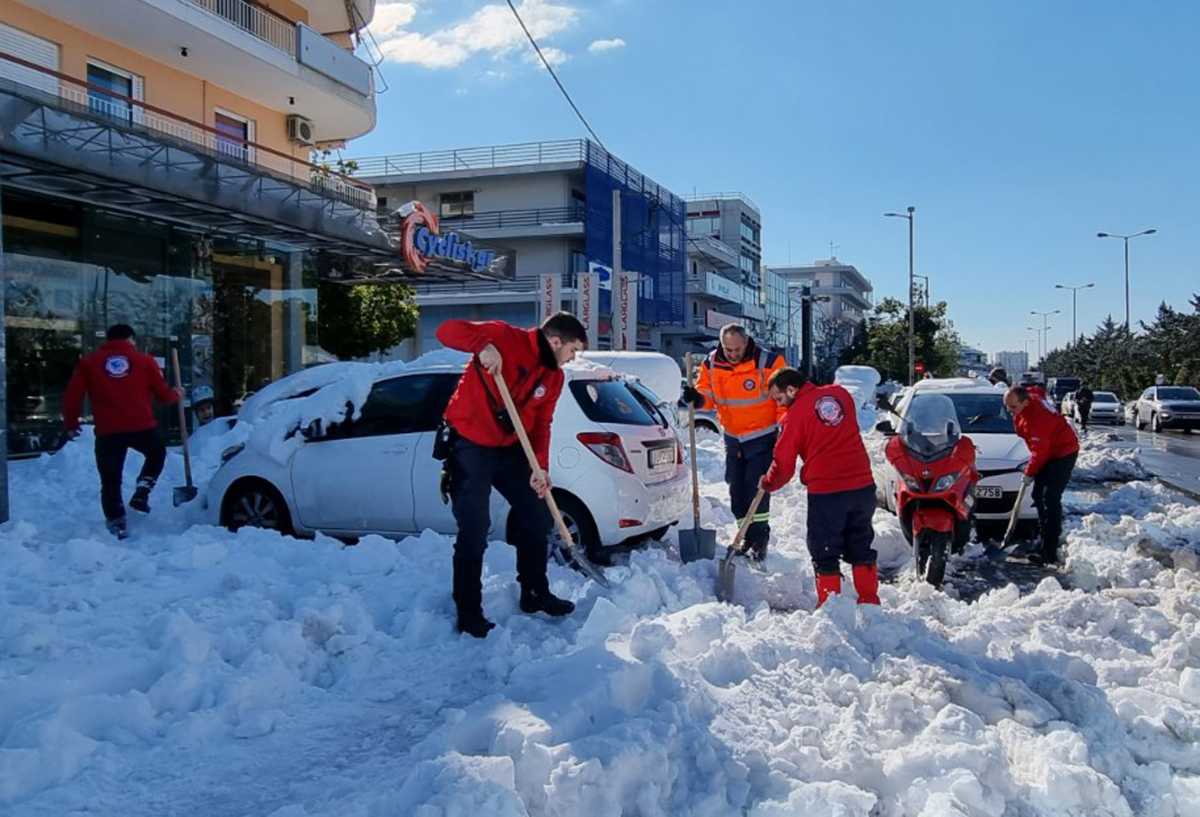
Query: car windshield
[
  {"x": 1178, "y": 394},
  {"x": 982, "y": 413},
  {"x": 612, "y": 401},
  {"x": 1105, "y": 397}
]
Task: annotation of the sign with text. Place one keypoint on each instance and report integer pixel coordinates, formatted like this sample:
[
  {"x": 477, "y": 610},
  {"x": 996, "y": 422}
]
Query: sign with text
[
  {"x": 549, "y": 295},
  {"x": 715, "y": 320},
  {"x": 603, "y": 274},
  {"x": 625, "y": 303},
  {"x": 587, "y": 304},
  {"x": 723, "y": 288}
]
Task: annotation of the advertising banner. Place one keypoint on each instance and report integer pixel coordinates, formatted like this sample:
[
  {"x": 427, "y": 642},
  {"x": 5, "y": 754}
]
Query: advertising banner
[
  {"x": 588, "y": 304},
  {"x": 549, "y": 295},
  {"x": 625, "y": 303}
]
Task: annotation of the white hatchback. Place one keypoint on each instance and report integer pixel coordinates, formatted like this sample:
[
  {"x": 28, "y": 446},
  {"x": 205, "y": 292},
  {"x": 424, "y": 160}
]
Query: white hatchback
[
  {"x": 615, "y": 462},
  {"x": 1000, "y": 453}
]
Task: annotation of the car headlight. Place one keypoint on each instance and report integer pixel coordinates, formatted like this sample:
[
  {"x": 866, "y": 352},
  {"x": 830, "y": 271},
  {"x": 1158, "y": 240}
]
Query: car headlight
[
  {"x": 231, "y": 452},
  {"x": 944, "y": 482},
  {"x": 913, "y": 483}
]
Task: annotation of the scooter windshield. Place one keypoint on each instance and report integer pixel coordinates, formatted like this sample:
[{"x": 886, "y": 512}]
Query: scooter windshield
[{"x": 930, "y": 426}]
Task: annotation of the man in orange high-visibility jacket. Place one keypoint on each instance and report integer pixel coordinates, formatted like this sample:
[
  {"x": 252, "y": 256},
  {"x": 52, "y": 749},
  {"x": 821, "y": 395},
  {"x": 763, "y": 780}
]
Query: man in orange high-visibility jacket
[{"x": 734, "y": 379}]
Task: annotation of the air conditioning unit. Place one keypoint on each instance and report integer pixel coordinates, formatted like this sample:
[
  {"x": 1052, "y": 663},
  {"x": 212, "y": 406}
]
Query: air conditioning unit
[{"x": 301, "y": 130}]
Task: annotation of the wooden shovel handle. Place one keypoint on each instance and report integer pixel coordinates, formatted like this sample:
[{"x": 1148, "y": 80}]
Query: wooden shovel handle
[
  {"x": 534, "y": 465},
  {"x": 747, "y": 522},
  {"x": 692, "y": 448}
]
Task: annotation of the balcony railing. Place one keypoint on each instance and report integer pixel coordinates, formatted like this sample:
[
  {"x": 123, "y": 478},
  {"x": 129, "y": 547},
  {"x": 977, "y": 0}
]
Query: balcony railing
[
  {"x": 484, "y": 158},
  {"x": 722, "y": 195},
  {"x": 501, "y": 219},
  {"x": 122, "y": 111},
  {"x": 256, "y": 20}
]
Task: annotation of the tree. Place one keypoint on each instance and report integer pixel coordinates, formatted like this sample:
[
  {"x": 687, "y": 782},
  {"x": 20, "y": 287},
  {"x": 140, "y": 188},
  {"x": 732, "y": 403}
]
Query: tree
[
  {"x": 883, "y": 342},
  {"x": 357, "y": 320}
]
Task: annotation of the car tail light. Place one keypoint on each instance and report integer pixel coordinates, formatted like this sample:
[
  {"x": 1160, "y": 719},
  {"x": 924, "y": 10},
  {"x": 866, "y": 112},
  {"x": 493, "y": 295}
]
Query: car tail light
[
  {"x": 607, "y": 446},
  {"x": 628, "y": 523}
]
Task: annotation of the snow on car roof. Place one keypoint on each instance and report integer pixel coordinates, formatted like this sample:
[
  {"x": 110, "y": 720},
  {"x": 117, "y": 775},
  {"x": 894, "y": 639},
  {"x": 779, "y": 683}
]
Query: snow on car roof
[{"x": 958, "y": 384}]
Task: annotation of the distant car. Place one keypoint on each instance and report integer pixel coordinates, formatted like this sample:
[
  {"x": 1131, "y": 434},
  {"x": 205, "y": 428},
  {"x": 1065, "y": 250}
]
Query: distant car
[
  {"x": 1106, "y": 408},
  {"x": 1058, "y": 387},
  {"x": 1067, "y": 407},
  {"x": 615, "y": 462},
  {"x": 1000, "y": 453},
  {"x": 1163, "y": 407}
]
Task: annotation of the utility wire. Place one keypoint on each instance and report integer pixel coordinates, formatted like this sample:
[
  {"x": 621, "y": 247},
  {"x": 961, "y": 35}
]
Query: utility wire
[{"x": 557, "y": 82}]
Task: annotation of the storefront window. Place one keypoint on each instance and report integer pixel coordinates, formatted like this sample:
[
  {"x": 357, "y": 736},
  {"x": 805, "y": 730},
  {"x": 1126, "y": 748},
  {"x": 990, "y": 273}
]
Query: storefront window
[{"x": 240, "y": 313}]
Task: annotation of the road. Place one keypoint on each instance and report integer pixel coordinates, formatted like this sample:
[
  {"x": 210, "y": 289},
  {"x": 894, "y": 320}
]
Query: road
[{"x": 1173, "y": 456}]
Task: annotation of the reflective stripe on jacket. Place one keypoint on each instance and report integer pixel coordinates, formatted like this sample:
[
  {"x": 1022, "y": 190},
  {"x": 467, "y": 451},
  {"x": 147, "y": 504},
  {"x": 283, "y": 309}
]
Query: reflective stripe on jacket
[{"x": 738, "y": 391}]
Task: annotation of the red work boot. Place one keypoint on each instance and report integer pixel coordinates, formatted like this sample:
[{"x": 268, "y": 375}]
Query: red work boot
[
  {"x": 866, "y": 583},
  {"x": 827, "y": 583}
]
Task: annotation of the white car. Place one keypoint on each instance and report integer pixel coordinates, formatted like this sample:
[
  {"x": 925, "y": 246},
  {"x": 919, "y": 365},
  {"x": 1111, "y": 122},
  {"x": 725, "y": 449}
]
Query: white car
[
  {"x": 1106, "y": 408},
  {"x": 615, "y": 463},
  {"x": 1068, "y": 407},
  {"x": 999, "y": 453}
]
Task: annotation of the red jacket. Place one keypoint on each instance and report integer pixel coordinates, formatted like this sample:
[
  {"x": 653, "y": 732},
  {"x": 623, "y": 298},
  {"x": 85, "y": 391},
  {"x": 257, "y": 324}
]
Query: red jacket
[
  {"x": 531, "y": 371},
  {"x": 121, "y": 383},
  {"x": 1047, "y": 433},
  {"x": 821, "y": 428}
]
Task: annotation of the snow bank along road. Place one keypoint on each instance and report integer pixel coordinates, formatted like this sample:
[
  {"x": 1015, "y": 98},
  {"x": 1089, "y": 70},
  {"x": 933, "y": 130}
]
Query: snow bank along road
[{"x": 190, "y": 671}]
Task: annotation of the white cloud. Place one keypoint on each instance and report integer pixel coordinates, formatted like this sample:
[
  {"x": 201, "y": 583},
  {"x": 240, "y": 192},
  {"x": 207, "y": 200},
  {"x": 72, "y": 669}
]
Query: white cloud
[
  {"x": 600, "y": 46},
  {"x": 490, "y": 30},
  {"x": 554, "y": 56}
]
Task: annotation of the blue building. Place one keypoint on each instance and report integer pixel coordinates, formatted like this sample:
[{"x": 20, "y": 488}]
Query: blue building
[{"x": 549, "y": 206}]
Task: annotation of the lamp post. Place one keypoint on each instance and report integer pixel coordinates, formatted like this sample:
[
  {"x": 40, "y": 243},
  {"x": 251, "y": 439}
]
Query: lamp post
[
  {"x": 925, "y": 278},
  {"x": 1074, "y": 294},
  {"x": 1045, "y": 339},
  {"x": 910, "y": 214},
  {"x": 1126, "y": 238}
]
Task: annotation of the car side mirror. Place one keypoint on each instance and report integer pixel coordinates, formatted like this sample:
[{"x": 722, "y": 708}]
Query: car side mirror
[
  {"x": 885, "y": 427},
  {"x": 313, "y": 431}
]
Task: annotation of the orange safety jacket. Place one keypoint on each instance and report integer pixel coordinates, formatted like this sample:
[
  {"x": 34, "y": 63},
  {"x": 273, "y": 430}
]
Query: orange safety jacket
[{"x": 739, "y": 392}]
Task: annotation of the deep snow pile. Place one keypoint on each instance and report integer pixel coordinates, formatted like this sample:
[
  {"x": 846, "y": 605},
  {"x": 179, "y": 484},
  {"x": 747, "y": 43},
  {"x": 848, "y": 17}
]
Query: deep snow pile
[{"x": 192, "y": 671}]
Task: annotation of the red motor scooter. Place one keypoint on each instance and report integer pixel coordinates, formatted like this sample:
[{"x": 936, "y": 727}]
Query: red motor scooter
[{"x": 935, "y": 492}]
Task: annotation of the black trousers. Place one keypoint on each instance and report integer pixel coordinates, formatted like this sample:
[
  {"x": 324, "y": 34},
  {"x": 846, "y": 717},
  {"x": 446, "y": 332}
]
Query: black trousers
[
  {"x": 1084, "y": 410},
  {"x": 745, "y": 464},
  {"x": 474, "y": 471},
  {"x": 840, "y": 529},
  {"x": 110, "y": 462},
  {"x": 1048, "y": 487}
]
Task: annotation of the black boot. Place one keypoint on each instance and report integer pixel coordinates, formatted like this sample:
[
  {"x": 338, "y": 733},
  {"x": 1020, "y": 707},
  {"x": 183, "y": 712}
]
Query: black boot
[
  {"x": 757, "y": 552},
  {"x": 118, "y": 528},
  {"x": 468, "y": 598},
  {"x": 543, "y": 601},
  {"x": 140, "y": 501}
]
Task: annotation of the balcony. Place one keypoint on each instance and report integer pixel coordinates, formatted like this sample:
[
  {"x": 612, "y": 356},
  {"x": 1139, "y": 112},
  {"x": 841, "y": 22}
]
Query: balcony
[
  {"x": 473, "y": 161},
  {"x": 61, "y": 136},
  {"x": 280, "y": 64},
  {"x": 853, "y": 296},
  {"x": 715, "y": 250},
  {"x": 715, "y": 286},
  {"x": 543, "y": 222},
  {"x": 723, "y": 196}
]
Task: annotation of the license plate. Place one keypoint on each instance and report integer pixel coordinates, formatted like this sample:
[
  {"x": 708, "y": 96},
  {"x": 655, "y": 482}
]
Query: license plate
[
  {"x": 661, "y": 456},
  {"x": 989, "y": 492}
]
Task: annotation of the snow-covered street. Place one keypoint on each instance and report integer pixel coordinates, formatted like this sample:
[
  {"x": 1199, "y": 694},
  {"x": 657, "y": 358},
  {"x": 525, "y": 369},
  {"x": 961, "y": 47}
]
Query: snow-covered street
[{"x": 191, "y": 671}]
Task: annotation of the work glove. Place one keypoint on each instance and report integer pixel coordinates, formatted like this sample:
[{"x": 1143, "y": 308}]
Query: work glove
[
  {"x": 73, "y": 433},
  {"x": 1027, "y": 480},
  {"x": 693, "y": 397}
]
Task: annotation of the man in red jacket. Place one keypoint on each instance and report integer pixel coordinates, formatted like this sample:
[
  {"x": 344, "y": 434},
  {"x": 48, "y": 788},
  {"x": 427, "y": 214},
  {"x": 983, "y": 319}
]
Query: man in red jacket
[
  {"x": 486, "y": 454},
  {"x": 121, "y": 384},
  {"x": 1053, "y": 448},
  {"x": 821, "y": 428}
]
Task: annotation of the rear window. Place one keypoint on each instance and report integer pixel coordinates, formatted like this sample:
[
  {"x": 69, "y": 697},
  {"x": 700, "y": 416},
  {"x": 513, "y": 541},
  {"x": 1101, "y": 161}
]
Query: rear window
[
  {"x": 1106, "y": 397},
  {"x": 611, "y": 401}
]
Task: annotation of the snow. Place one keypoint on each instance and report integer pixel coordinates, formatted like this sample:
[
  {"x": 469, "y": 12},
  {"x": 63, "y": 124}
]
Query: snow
[
  {"x": 189, "y": 670},
  {"x": 861, "y": 382}
]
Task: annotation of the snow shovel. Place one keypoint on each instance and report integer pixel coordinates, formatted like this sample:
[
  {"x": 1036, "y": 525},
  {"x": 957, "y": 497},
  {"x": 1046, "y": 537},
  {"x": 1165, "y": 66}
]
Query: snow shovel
[
  {"x": 185, "y": 493},
  {"x": 697, "y": 543},
  {"x": 728, "y": 570},
  {"x": 1000, "y": 552},
  {"x": 584, "y": 565}
]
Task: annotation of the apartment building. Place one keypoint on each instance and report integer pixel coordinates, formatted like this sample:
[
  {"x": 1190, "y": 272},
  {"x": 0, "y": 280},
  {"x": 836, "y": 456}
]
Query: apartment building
[
  {"x": 156, "y": 170},
  {"x": 845, "y": 295},
  {"x": 547, "y": 207},
  {"x": 1012, "y": 362}
]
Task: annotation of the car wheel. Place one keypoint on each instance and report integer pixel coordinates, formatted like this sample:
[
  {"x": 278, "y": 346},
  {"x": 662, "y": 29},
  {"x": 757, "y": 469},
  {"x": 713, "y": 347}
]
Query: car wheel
[
  {"x": 579, "y": 524},
  {"x": 256, "y": 504},
  {"x": 1155, "y": 423},
  {"x": 704, "y": 425}
]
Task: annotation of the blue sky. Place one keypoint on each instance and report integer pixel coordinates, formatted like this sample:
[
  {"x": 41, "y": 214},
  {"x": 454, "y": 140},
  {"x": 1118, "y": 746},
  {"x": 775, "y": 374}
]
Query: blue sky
[{"x": 1018, "y": 130}]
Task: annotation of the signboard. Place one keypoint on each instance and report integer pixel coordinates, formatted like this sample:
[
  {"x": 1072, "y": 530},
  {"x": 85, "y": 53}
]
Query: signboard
[
  {"x": 919, "y": 367},
  {"x": 549, "y": 295},
  {"x": 603, "y": 274},
  {"x": 625, "y": 302},
  {"x": 587, "y": 305},
  {"x": 715, "y": 320},
  {"x": 723, "y": 288},
  {"x": 422, "y": 242}
]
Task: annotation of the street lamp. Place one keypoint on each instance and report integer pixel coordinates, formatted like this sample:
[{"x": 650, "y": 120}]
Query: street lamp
[
  {"x": 1126, "y": 238},
  {"x": 925, "y": 278},
  {"x": 1074, "y": 293},
  {"x": 806, "y": 300},
  {"x": 910, "y": 214},
  {"x": 1045, "y": 340}
]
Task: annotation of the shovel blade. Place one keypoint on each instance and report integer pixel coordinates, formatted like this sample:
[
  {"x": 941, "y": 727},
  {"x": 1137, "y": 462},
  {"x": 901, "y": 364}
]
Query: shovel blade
[
  {"x": 696, "y": 544},
  {"x": 183, "y": 495},
  {"x": 726, "y": 579}
]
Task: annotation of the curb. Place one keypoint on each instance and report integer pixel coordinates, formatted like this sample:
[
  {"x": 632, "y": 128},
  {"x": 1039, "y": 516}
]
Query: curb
[{"x": 1191, "y": 493}]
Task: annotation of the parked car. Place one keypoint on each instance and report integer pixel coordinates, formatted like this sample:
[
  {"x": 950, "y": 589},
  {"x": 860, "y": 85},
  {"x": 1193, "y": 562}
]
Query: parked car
[
  {"x": 615, "y": 462},
  {"x": 1000, "y": 453},
  {"x": 1067, "y": 407},
  {"x": 1163, "y": 407},
  {"x": 1106, "y": 408}
]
